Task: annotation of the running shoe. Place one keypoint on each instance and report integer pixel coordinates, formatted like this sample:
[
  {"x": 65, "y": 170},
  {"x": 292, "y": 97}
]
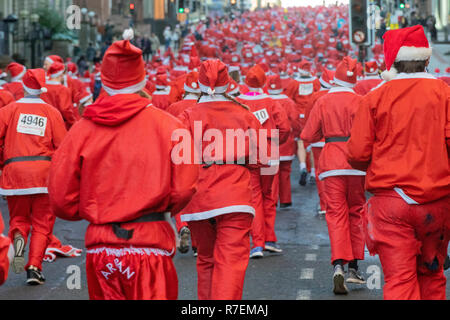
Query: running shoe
[
  {"x": 354, "y": 276},
  {"x": 19, "y": 255},
  {"x": 35, "y": 277},
  {"x": 339, "y": 281},
  {"x": 273, "y": 247},
  {"x": 256, "y": 253}
]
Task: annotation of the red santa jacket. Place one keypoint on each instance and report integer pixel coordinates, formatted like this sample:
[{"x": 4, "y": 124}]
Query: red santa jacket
[
  {"x": 222, "y": 189},
  {"x": 162, "y": 99},
  {"x": 6, "y": 97},
  {"x": 179, "y": 107},
  {"x": 332, "y": 117},
  {"x": 271, "y": 115},
  {"x": 287, "y": 149},
  {"x": 16, "y": 88},
  {"x": 301, "y": 91},
  {"x": 30, "y": 132},
  {"x": 399, "y": 137},
  {"x": 315, "y": 96},
  {"x": 364, "y": 86},
  {"x": 60, "y": 97},
  {"x": 106, "y": 171}
]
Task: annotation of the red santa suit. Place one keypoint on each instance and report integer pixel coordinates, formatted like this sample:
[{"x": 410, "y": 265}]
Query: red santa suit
[
  {"x": 331, "y": 119},
  {"x": 221, "y": 213},
  {"x": 370, "y": 81},
  {"x": 59, "y": 96},
  {"x": 287, "y": 150},
  {"x": 16, "y": 71},
  {"x": 6, "y": 253},
  {"x": 272, "y": 116},
  {"x": 401, "y": 136},
  {"x": 128, "y": 241},
  {"x": 326, "y": 80},
  {"x": 31, "y": 131},
  {"x": 192, "y": 90}
]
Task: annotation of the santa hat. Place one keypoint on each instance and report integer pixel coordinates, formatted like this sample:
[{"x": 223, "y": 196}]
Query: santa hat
[
  {"x": 346, "y": 73},
  {"x": 194, "y": 63},
  {"x": 54, "y": 58},
  {"x": 304, "y": 67},
  {"x": 72, "y": 68},
  {"x": 191, "y": 83},
  {"x": 326, "y": 79},
  {"x": 34, "y": 82},
  {"x": 407, "y": 44},
  {"x": 371, "y": 68},
  {"x": 123, "y": 68},
  {"x": 274, "y": 85},
  {"x": 256, "y": 78},
  {"x": 213, "y": 77},
  {"x": 233, "y": 88},
  {"x": 161, "y": 81},
  {"x": 56, "y": 70},
  {"x": 16, "y": 70}
]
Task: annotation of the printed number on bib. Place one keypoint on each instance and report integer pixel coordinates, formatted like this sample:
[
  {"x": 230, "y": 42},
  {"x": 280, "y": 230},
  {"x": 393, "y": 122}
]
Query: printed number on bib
[
  {"x": 306, "y": 89},
  {"x": 262, "y": 115},
  {"x": 32, "y": 124}
]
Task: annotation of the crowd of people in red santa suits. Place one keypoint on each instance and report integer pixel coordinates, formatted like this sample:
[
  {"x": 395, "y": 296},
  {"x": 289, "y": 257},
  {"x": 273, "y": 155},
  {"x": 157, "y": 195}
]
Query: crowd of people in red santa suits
[{"x": 294, "y": 71}]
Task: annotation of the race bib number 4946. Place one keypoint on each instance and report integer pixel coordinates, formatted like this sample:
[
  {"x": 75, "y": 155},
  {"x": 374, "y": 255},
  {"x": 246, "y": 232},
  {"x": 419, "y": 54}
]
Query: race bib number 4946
[
  {"x": 32, "y": 124},
  {"x": 262, "y": 115}
]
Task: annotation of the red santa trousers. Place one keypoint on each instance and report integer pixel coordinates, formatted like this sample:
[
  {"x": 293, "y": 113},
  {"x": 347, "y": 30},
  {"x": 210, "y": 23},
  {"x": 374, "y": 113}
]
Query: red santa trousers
[
  {"x": 115, "y": 273},
  {"x": 345, "y": 197},
  {"x": 282, "y": 183},
  {"x": 319, "y": 183},
  {"x": 411, "y": 241},
  {"x": 32, "y": 212},
  {"x": 264, "y": 200},
  {"x": 223, "y": 247}
]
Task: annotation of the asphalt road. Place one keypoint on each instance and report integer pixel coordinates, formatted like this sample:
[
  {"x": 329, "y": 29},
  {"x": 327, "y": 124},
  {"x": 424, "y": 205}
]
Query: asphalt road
[{"x": 301, "y": 272}]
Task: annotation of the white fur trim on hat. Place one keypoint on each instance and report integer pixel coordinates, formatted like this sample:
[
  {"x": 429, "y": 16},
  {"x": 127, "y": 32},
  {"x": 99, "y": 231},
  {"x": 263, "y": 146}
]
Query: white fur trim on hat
[
  {"x": 413, "y": 54},
  {"x": 343, "y": 83},
  {"x": 131, "y": 89},
  {"x": 34, "y": 92},
  {"x": 189, "y": 89},
  {"x": 208, "y": 90},
  {"x": 275, "y": 92},
  {"x": 389, "y": 75},
  {"x": 325, "y": 84},
  {"x": 19, "y": 76},
  {"x": 56, "y": 75}
]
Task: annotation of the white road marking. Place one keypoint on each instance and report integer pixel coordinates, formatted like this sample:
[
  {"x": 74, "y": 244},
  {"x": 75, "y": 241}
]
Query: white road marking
[
  {"x": 314, "y": 247},
  {"x": 311, "y": 257},
  {"x": 304, "y": 295},
  {"x": 307, "y": 274}
]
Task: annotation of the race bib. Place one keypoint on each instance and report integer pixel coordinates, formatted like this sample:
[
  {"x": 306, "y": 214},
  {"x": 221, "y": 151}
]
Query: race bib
[
  {"x": 262, "y": 115},
  {"x": 32, "y": 124},
  {"x": 306, "y": 89}
]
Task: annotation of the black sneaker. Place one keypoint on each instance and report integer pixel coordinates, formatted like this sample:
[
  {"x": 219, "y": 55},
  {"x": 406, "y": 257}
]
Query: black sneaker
[
  {"x": 195, "y": 251},
  {"x": 185, "y": 234},
  {"x": 35, "y": 277},
  {"x": 19, "y": 255},
  {"x": 303, "y": 176},
  {"x": 285, "y": 205}
]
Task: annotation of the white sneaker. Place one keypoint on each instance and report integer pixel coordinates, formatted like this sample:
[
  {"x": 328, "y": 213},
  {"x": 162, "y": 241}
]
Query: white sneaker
[
  {"x": 355, "y": 277},
  {"x": 19, "y": 255},
  {"x": 339, "y": 281}
]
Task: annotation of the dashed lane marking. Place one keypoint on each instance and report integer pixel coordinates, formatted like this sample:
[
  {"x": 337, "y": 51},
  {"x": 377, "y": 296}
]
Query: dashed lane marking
[
  {"x": 311, "y": 257},
  {"x": 303, "y": 295},
  {"x": 307, "y": 274}
]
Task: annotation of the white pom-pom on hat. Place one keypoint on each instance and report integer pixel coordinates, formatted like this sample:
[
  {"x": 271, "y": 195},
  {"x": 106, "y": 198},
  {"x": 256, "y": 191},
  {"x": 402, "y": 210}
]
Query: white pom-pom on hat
[
  {"x": 194, "y": 85},
  {"x": 349, "y": 74},
  {"x": 128, "y": 34},
  {"x": 44, "y": 90}
]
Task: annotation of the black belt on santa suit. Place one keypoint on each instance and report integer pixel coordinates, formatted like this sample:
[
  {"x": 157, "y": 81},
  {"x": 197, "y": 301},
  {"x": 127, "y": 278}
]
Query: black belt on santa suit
[
  {"x": 336, "y": 139},
  {"x": 27, "y": 159},
  {"x": 128, "y": 234}
]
